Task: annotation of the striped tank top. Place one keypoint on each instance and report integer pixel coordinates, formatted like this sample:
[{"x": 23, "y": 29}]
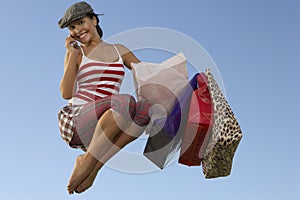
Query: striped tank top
[{"x": 97, "y": 79}]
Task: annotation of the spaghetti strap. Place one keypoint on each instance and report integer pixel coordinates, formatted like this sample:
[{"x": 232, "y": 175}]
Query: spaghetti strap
[
  {"x": 82, "y": 50},
  {"x": 120, "y": 57}
]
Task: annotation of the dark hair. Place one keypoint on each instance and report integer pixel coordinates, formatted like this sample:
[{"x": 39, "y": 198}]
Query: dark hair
[{"x": 99, "y": 30}]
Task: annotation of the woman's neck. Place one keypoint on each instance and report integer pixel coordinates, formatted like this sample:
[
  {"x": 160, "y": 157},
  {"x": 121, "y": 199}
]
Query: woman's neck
[{"x": 92, "y": 44}]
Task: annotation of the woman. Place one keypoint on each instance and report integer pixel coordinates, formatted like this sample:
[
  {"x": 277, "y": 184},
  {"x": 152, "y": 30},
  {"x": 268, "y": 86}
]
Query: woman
[{"x": 97, "y": 119}]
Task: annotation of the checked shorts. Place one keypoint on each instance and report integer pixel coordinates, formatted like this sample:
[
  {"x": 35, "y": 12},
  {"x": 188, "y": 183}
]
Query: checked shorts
[{"x": 78, "y": 122}]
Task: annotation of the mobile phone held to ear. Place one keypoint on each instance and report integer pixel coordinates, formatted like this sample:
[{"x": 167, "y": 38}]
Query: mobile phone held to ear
[{"x": 74, "y": 43}]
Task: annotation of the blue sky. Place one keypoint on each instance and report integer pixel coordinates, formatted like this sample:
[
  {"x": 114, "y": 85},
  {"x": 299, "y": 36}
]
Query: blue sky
[{"x": 255, "y": 46}]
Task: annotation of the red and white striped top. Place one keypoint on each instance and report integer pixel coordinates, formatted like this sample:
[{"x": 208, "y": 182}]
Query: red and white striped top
[{"x": 97, "y": 79}]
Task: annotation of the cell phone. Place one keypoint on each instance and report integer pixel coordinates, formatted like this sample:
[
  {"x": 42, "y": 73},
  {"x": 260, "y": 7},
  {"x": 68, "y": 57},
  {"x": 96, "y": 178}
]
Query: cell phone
[{"x": 74, "y": 43}]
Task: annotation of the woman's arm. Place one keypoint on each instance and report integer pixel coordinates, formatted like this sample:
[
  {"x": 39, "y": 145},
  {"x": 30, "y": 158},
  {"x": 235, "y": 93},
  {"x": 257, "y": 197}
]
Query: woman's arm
[
  {"x": 127, "y": 56},
  {"x": 70, "y": 70}
]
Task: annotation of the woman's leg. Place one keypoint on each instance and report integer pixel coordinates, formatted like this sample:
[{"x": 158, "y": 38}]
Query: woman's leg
[
  {"x": 101, "y": 148},
  {"x": 123, "y": 139},
  {"x": 140, "y": 120},
  {"x": 106, "y": 130}
]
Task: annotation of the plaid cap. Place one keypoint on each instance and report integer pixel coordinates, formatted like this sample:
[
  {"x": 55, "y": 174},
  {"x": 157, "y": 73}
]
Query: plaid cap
[{"x": 76, "y": 11}]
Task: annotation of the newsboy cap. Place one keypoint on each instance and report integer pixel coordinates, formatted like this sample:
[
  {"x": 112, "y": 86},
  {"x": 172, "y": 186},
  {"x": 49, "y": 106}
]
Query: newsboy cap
[{"x": 76, "y": 11}]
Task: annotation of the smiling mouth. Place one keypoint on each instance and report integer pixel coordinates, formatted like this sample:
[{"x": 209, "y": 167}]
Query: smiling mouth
[{"x": 81, "y": 35}]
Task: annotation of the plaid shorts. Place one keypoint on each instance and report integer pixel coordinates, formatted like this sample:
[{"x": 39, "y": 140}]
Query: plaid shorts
[{"x": 77, "y": 123}]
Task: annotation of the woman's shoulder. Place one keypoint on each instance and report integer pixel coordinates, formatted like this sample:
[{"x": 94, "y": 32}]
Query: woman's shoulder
[
  {"x": 127, "y": 55},
  {"x": 122, "y": 49}
]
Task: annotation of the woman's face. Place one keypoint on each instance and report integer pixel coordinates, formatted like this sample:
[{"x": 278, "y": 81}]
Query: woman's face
[{"x": 83, "y": 29}]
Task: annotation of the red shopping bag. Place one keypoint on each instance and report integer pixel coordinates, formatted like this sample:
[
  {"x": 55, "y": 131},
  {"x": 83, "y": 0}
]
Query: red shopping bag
[{"x": 200, "y": 119}]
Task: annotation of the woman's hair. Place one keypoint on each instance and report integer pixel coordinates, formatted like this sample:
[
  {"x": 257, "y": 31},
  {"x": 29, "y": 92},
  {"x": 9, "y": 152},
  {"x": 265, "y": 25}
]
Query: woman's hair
[{"x": 99, "y": 30}]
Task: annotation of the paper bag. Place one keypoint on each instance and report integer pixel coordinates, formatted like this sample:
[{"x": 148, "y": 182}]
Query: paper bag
[
  {"x": 198, "y": 125},
  {"x": 226, "y": 135},
  {"x": 160, "y": 83}
]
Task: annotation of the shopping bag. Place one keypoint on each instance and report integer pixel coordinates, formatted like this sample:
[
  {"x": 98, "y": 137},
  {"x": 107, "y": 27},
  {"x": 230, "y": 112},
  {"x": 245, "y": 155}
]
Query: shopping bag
[
  {"x": 160, "y": 83},
  {"x": 226, "y": 135},
  {"x": 198, "y": 126},
  {"x": 165, "y": 134}
]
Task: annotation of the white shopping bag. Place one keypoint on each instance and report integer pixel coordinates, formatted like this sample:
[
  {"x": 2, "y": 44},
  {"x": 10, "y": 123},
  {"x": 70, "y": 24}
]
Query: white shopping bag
[{"x": 160, "y": 83}]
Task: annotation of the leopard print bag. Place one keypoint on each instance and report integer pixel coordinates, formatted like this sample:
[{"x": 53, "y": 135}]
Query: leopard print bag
[{"x": 225, "y": 137}]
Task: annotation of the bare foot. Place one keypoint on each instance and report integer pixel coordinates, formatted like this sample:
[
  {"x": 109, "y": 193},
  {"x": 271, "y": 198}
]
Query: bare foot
[
  {"x": 88, "y": 182},
  {"x": 84, "y": 165}
]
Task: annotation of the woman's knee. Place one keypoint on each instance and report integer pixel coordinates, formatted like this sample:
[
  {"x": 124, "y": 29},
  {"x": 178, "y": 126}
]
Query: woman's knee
[
  {"x": 125, "y": 105},
  {"x": 110, "y": 123}
]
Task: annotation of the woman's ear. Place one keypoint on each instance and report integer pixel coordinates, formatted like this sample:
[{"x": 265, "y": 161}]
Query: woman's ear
[{"x": 95, "y": 21}]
